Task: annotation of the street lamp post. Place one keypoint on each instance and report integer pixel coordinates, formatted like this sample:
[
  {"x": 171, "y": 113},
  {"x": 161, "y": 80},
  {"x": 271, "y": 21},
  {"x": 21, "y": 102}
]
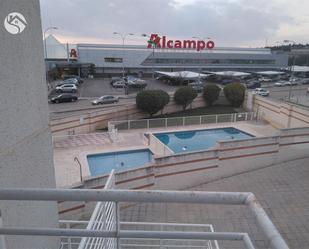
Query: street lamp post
[
  {"x": 199, "y": 70},
  {"x": 123, "y": 37},
  {"x": 292, "y": 67}
]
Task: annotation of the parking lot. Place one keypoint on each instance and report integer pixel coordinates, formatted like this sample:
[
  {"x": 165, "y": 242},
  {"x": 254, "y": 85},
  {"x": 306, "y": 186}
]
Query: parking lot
[{"x": 93, "y": 88}]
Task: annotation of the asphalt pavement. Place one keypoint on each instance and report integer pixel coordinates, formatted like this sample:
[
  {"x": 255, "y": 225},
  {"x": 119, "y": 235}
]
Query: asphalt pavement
[{"x": 93, "y": 88}]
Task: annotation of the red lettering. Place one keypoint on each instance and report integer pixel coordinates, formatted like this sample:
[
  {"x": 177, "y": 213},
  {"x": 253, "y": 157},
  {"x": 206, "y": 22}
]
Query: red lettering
[
  {"x": 170, "y": 44},
  {"x": 177, "y": 44},
  {"x": 189, "y": 44},
  {"x": 156, "y": 42},
  {"x": 73, "y": 53},
  {"x": 200, "y": 45},
  {"x": 163, "y": 41},
  {"x": 210, "y": 44}
]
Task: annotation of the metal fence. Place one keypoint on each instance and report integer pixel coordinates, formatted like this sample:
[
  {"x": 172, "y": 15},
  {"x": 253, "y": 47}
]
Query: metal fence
[
  {"x": 180, "y": 121},
  {"x": 224, "y": 198},
  {"x": 104, "y": 217}
]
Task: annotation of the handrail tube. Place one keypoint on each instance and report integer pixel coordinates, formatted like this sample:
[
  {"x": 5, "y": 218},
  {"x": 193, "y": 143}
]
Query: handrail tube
[
  {"x": 50, "y": 194},
  {"x": 231, "y": 198},
  {"x": 123, "y": 234}
]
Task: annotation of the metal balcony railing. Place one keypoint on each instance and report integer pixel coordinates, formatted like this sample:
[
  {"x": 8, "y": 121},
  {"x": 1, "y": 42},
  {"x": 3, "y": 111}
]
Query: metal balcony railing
[
  {"x": 180, "y": 121},
  {"x": 104, "y": 230}
]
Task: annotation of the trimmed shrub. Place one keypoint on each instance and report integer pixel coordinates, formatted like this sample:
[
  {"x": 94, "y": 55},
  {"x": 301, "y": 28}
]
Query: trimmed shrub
[
  {"x": 235, "y": 94},
  {"x": 152, "y": 101},
  {"x": 184, "y": 96},
  {"x": 211, "y": 93}
]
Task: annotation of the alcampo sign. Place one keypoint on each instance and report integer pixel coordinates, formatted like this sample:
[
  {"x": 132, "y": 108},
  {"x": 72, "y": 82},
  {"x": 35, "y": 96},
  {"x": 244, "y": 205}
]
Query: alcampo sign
[{"x": 156, "y": 41}]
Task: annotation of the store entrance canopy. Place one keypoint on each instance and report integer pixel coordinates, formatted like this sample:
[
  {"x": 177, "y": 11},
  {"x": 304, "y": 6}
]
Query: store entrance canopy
[{"x": 183, "y": 74}]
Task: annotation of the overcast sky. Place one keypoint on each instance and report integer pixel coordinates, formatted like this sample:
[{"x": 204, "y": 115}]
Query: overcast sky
[{"x": 246, "y": 23}]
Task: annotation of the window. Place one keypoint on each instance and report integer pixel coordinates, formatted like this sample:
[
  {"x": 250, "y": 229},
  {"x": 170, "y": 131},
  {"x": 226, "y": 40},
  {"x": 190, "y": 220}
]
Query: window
[{"x": 113, "y": 60}]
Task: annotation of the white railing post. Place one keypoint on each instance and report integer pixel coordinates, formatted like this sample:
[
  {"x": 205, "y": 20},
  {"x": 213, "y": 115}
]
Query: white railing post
[
  {"x": 216, "y": 118},
  {"x": 246, "y": 116},
  {"x": 67, "y": 226},
  {"x": 183, "y": 121},
  {"x": 165, "y": 122},
  {"x": 147, "y": 123},
  {"x": 200, "y": 120},
  {"x": 117, "y": 223},
  {"x": 129, "y": 124}
]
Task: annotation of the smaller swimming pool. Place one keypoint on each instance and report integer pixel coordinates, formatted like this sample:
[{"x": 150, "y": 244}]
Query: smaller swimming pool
[
  {"x": 104, "y": 162},
  {"x": 187, "y": 141}
]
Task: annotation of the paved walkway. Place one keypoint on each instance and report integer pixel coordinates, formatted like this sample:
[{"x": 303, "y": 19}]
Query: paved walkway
[{"x": 282, "y": 189}]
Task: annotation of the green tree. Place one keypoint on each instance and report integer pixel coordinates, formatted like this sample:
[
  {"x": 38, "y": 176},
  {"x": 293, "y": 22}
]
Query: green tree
[
  {"x": 184, "y": 96},
  {"x": 152, "y": 101},
  {"x": 235, "y": 94},
  {"x": 211, "y": 93}
]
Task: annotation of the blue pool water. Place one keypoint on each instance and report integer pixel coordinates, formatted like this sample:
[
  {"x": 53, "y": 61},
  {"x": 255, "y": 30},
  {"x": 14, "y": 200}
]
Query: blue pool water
[
  {"x": 186, "y": 141},
  {"x": 103, "y": 163}
]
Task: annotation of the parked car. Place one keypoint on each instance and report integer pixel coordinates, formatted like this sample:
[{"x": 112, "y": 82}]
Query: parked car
[
  {"x": 119, "y": 84},
  {"x": 64, "y": 97},
  {"x": 108, "y": 99},
  {"x": 261, "y": 92},
  {"x": 253, "y": 84},
  {"x": 280, "y": 83},
  {"x": 68, "y": 81},
  {"x": 304, "y": 81},
  {"x": 115, "y": 79},
  {"x": 227, "y": 81},
  {"x": 197, "y": 86},
  {"x": 67, "y": 88},
  {"x": 80, "y": 80},
  {"x": 138, "y": 83},
  {"x": 264, "y": 79}
]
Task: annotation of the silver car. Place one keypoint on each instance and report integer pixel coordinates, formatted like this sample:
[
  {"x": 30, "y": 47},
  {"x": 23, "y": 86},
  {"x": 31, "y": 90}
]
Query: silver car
[{"x": 108, "y": 99}]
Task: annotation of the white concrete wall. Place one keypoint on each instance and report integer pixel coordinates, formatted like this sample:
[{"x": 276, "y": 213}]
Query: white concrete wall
[
  {"x": 157, "y": 147},
  {"x": 26, "y": 147},
  {"x": 281, "y": 114},
  {"x": 181, "y": 171}
]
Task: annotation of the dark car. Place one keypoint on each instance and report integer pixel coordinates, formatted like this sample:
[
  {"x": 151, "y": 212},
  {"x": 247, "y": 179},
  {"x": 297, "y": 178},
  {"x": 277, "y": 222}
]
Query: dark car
[
  {"x": 66, "y": 77},
  {"x": 253, "y": 84},
  {"x": 65, "y": 97}
]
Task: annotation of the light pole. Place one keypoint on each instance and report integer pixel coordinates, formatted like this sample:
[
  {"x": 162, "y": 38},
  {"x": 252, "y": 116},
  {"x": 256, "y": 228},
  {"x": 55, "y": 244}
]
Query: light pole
[
  {"x": 123, "y": 37},
  {"x": 292, "y": 67},
  {"x": 199, "y": 70},
  {"x": 44, "y": 35}
]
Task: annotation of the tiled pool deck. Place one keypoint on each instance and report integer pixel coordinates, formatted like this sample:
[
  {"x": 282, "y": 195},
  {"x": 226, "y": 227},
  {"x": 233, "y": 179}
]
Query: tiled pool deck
[
  {"x": 282, "y": 189},
  {"x": 67, "y": 170}
]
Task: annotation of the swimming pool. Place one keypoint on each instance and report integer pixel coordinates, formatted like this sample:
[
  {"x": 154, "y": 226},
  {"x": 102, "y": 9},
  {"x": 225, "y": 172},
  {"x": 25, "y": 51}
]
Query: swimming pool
[
  {"x": 104, "y": 162},
  {"x": 186, "y": 141}
]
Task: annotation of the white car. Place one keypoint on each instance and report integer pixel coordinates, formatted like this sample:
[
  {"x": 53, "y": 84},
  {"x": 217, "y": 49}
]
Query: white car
[
  {"x": 119, "y": 84},
  {"x": 281, "y": 83},
  {"x": 67, "y": 88},
  {"x": 263, "y": 79},
  {"x": 261, "y": 92}
]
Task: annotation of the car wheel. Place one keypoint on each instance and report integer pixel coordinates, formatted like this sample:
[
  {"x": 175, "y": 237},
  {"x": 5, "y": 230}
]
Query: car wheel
[{"x": 57, "y": 101}]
